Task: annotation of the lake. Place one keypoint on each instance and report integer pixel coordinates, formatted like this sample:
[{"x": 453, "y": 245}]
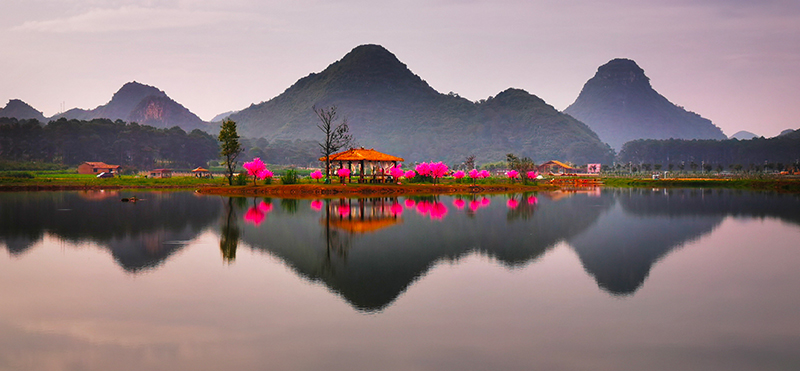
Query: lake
[{"x": 611, "y": 279}]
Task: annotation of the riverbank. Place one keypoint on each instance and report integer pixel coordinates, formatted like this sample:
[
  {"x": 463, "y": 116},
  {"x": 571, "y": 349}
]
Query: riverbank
[
  {"x": 354, "y": 189},
  {"x": 217, "y": 186},
  {"x": 783, "y": 185}
]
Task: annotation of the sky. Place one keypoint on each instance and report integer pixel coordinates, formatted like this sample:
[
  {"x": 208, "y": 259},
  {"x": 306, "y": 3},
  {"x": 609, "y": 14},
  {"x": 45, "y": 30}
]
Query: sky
[{"x": 735, "y": 62}]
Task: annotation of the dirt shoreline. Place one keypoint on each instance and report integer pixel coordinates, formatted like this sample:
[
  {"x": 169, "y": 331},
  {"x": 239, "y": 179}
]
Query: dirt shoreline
[{"x": 316, "y": 191}]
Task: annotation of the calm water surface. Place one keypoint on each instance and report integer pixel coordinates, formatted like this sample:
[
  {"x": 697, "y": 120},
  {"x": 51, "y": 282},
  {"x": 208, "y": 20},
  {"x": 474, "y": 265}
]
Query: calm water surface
[{"x": 611, "y": 280}]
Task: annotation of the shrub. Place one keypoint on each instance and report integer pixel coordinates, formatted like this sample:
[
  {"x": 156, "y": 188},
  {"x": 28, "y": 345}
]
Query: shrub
[
  {"x": 290, "y": 177},
  {"x": 18, "y": 174},
  {"x": 240, "y": 179}
]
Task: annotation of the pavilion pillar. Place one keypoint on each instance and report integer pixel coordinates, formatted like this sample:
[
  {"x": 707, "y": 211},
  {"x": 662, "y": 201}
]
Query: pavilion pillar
[{"x": 361, "y": 173}]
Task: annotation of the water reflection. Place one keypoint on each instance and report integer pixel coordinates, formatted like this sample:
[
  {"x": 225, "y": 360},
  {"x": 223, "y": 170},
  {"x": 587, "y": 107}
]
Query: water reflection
[
  {"x": 370, "y": 250},
  {"x": 138, "y": 235}
]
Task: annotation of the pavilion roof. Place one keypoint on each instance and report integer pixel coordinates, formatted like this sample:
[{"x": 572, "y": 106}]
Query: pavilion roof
[
  {"x": 359, "y": 154},
  {"x": 364, "y": 226},
  {"x": 558, "y": 163},
  {"x": 199, "y": 169}
]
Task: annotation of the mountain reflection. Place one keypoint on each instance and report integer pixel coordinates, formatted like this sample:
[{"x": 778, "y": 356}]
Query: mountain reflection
[
  {"x": 139, "y": 235},
  {"x": 646, "y": 225},
  {"x": 370, "y": 250}
]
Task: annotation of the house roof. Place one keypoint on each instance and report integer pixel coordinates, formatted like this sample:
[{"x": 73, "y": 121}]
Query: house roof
[
  {"x": 101, "y": 165},
  {"x": 359, "y": 154},
  {"x": 364, "y": 226},
  {"x": 557, "y": 163}
]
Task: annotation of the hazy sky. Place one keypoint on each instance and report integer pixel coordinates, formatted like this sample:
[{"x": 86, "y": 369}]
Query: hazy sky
[{"x": 734, "y": 62}]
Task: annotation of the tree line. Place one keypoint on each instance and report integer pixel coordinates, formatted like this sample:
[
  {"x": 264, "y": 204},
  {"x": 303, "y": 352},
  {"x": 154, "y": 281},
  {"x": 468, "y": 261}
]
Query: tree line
[
  {"x": 134, "y": 146},
  {"x": 758, "y": 154}
]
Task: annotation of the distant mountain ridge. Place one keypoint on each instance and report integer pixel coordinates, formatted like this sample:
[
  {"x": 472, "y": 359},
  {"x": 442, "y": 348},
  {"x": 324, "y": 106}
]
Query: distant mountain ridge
[
  {"x": 144, "y": 104},
  {"x": 20, "y": 110},
  {"x": 395, "y": 111},
  {"x": 743, "y": 135},
  {"x": 620, "y": 105}
]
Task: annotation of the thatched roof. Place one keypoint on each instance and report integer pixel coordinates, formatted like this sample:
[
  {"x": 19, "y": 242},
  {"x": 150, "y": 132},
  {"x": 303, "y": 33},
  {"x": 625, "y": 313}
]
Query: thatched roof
[{"x": 361, "y": 154}]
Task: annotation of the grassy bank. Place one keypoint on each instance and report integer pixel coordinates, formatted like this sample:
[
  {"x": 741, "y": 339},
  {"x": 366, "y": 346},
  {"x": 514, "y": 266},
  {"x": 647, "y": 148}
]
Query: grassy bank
[{"x": 791, "y": 185}]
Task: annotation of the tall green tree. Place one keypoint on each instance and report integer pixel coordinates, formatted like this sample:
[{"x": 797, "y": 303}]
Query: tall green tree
[
  {"x": 230, "y": 148},
  {"x": 336, "y": 136}
]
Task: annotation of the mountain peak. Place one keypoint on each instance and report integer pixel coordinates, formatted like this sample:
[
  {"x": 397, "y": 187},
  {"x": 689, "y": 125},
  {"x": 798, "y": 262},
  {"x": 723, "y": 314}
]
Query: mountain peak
[
  {"x": 619, "y": 104},
  {"x": 21, "y": 111},
  {"x": 134, "y": 91},
  {"x": 621, "y": 69}
]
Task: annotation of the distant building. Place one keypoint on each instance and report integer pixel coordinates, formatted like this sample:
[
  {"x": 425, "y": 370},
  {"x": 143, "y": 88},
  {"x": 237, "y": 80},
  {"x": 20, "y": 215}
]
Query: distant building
[
  {"x": 161, "y": 173},
  {"x": 202, "y": 173},
  {"x": 555, "y": 167},
  {"x": 97, "y": 168}
]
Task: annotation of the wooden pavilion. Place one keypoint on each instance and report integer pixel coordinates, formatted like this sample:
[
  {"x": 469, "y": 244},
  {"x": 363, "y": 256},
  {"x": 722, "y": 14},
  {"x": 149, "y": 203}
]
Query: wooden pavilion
[
  {"x": 201, "y": 173},
  {"x": 555, "y": 167},
  {"x": 361, "y": 216},
  {"x": 367, "y": 164}
]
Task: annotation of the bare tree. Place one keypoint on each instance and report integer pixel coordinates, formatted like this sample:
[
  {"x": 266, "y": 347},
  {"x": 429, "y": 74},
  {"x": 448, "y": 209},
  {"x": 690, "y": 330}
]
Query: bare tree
[{"x": 336, "y": 136}]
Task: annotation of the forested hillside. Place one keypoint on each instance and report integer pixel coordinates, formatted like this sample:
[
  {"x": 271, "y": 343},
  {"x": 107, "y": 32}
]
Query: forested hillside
[
  {"x": 756, "y": 154},
  {"x": 72, "y": 142}
]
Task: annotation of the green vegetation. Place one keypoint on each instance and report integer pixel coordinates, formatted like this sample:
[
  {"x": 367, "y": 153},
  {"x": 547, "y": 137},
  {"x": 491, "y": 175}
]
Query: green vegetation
[
  {"x": 65, "y": 142},
  {"x": 741, "y": 156},
  {"x": 230, "y": 148},
  {"x": 770, "y": 184},
  {"x": 290, "y": 177},
  {"x": 88, "y": 180},
  {"x": 396, "y": 112}
]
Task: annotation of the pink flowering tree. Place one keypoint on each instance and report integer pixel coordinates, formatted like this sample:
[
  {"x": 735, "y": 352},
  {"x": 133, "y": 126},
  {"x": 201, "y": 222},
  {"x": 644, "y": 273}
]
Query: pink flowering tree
[
  {"x": 396, "y": 173},
  {"x": 316, "y": 175},
  {"x": 474, "y": 174},
  {"x": 438, "y": 170},
  {"x": 254, "y": 168},
  {"x": 483, "y": 174},
  {"x": 265, "y": 175},
  {"x": 458, "y": 175},
  {"x": 532, "y": 175},
  {"x": 343, "y": 173},
  {"x": 410, "y": 174},
  {"x": 423, "y": 170},
  {"x": 512, "y": 174}
]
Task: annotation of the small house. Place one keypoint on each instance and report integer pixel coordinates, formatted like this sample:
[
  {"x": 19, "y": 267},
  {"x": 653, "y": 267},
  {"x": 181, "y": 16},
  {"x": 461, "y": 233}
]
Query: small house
[
  {"x": 161, "y": 173},
  {"x": 96, "y": 168}
]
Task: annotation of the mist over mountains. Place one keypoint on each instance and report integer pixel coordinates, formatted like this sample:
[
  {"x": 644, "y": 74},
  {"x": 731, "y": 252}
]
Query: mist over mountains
[
  {"x": 620, "y": 105},
  {"x": 144, "y": 104},
  {"x": 395, "y": 111}
]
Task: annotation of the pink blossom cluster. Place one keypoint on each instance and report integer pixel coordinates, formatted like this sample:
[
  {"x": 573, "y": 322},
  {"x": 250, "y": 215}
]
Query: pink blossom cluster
[
  {"x": 434, "y": 209},
  {"x": 343, "y": 172},
  {"x": 257, "y": 214},
  {"x": 396, "y": 172},
  {"x": 512, "y": 174},
  {"x": 434, "y": 169},
  {"x": 257, "y": 169},
  {"x": 316, "y": 175},
  {"x": 474, "y": 205},
  {"x": 475, "y": 174},
  {"x": 532, "y": 174},
  {"x": 459, "y": 174}
]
